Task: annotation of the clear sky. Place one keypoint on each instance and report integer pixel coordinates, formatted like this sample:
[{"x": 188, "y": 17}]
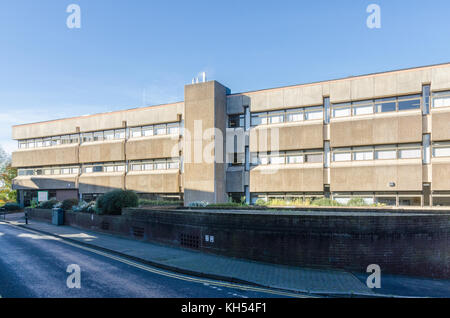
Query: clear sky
[{"x": 142, "y": 52}]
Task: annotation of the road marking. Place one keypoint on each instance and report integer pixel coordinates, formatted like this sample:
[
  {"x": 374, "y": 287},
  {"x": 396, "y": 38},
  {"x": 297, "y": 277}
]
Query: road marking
[{"x": 168, "y": 274}]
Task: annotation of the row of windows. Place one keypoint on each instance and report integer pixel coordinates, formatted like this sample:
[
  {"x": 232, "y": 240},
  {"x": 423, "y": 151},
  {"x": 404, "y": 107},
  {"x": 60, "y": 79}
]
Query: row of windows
[
  {"x": 287, "y": 115},
  {"x": 160, "y": 164},
  {"x": 376, "y": 106},
  {"x": 441, "y": 99},
  {"x": 406, "y": 151},
  {"x": 287, "y": 157},
  {"x": 114, "y": 134}
]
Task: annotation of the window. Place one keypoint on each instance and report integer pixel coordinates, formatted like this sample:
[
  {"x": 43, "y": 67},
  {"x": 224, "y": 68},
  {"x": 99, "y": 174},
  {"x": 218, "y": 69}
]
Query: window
[
  {"x": 160, "y": 165},
  {"x": 97, "y": 168},
  {"x": 235, "y": 121},
  {"x": 22, "y": 144},
  {"x": 342, "y": 156},
  {"x": 441, "y": 149},
  {"x": 341, "y": 110},
  {"x": 362, "y": 108},
  {"x": 382, "y": 154},
  {"x": 148, "y": 166},
  {"x": 276, "y": 159},
  {"x": 259, "y": 119},
  {"x": 411, "y": 151},
  {"x": 160, "y": 130},
  {"x": 120, "y": 168},
  {"x": 74, "y": 139},
  {"x": 312, "y": 113},
  {"x": 136, "y": 167},
  {"x": 39, "y": 143},
  {"x": 441, "y": 99},
  {"x": 119, "y": 134},
  {"x": 98, "y": 136},
  {"x": 295, "y": 115},
  {"x": 65, "y": 140},
  {"x": 173, "y": 165},
  {"x": 47, "y": 142},
  {"x": 363, "y": 155},
  {"x": 314, "y": 158},
  {"x": 56, "y": 171},
  {"x": 409, "y": 102},
  {"x": 109, "y": 169},
  {"x": 276, "y": 117},
  {"x": 109, "y": 135},
  {"x": 294, "y": 158},
  {"x": 173, "y": 129},
  {"x": 65, "y": 171},
  {"x": 47, "y": 172},
  {"x": 56, "y": 141},
  {"x": 75, "y": 170},
  {"x": 136, "y": 132},
  {"x": 147, "y": 131},
  {"x": 88, "y": 137},
  {"x": 385, "y": 105},
  {"x": 88, "y": 169},
  {"x": 30, "y": 144}
]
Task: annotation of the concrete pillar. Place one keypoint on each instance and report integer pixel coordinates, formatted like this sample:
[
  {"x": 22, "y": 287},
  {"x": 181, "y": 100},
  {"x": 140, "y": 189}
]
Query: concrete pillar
[{"x": 204, "y": 143}]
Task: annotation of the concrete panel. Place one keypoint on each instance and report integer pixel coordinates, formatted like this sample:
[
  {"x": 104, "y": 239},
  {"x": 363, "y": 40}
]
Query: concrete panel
[
  {"x": 377, "y": 176},
  {"x": 38, "y": 157},
  {"x": 312, "y": 95},
  {"x": 385, "y": 85},
  {"x": 152, "y": 148},
  {"x": 100, "y": 182},
  {"x": 295, "y": 178},
  {"x": 362, "y": 88},
  {"x": 441, "y": 176},
  {"x": 154, "y": 182},
  {"x": 275, "y": 99},
  {"x": 293, "y": 97},
  {"x": 47, "y": 183},
  {"x": 376, "y": 130},
  {"x": 440, "y": 78},
  {"x": 340, "y": 91},
  {"x": 287, "y": 137},
  {"x": 409, "y": 82},
  {"x": 102, "y": 152},
  {"x": 440, "y": 125}
]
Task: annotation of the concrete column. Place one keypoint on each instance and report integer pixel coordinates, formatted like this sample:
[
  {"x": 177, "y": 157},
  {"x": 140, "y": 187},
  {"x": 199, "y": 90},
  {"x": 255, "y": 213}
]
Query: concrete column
[{"x": 204, "y": 143}]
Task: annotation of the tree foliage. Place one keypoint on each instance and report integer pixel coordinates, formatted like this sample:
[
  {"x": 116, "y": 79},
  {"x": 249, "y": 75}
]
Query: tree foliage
[{"x": 7, "y": 174}]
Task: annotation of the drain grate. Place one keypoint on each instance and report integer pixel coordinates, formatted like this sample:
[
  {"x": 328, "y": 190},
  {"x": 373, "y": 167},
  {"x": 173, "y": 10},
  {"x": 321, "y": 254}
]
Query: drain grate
[{"x": 189, "y": 240}]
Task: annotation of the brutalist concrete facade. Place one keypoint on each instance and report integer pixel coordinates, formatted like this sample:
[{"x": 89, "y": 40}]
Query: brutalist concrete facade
[{"x": 382, "y": 137}]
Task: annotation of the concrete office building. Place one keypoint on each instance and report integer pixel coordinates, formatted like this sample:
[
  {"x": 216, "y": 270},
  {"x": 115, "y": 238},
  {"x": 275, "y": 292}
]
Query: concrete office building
[{"x": 384, "y": 137}]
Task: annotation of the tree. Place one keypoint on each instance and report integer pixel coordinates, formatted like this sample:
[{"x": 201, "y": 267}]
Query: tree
[{"x": 7, "y": 174}]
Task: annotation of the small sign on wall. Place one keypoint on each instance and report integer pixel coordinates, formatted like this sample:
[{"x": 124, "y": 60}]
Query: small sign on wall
[{"x": 42, "y": 196}]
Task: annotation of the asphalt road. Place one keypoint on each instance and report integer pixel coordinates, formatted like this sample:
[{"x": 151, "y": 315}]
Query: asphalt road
[{"x": 35, "y": 265}]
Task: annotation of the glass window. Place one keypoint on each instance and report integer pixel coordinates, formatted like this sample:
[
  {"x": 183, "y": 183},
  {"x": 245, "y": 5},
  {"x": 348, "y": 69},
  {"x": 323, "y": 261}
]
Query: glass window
[
  {"x": 235, "y": 121},
  {"x": 136, "y": 167},
  {"x": 160, "y": 130},
  {"x": 441, "y": 99},
  {"x": 109, "y": 135},
  {"x": 56, "y": 141},
  {"x": 173, "y": 165},
  {"x": 47, "y": 172},
  {"x": 136, "y": 132},
  {"x": 56, "y": 171},
  {"x": 386, "y": 154},
  {"x": 47, "y": 142},
  {"x": 385, "y": 105},
  {"x": 259, "y": 119},
  {"x": 148, "y": 166},
  {"x": 276, "y": 117},
  {"x": 98, "y": 169},
  {"x": 341, "y": 110},
  {"x": 147, "y": 131},
  {"x": 119, "y": 134},
  {"x": 312, "y": 113},
  {"x": 342, "y": 156},
  {"x": 409, "y": 102},
  {"x": 409, "y": 153},
  {"x": 98, "y": 136},
  {"x": 88, "y": 170},
  {"x": 441, "y": 150},
  {"x": 173, "y": 129},
  {"x": 30, "y": 143},
  {"x": 295, "y": 115},
  {"x": 87, "y": 137},
  {"x": 65, "y": 171},
  {"x": 314, "y": 158},
  {"x": 294, "y": 158},
  {"x": 22, "y": 144},
  {"x": 39, "y": 143},
  {"x": 74, "y": 139},
  {"x": 276, "y": 159},
  {"x": 65, "y": 140},
  {"x": 362, "y": 108},
  {"x": 75, "y": 170},
  {"x": 109, "y": 169},
  {"x": 39, "y": 172},
  {"x": 263, "y": 159},
  {"x": 363, "y": 155},
  {"x": 120, "y": 168},
  {"x": 160, "y": 165}
]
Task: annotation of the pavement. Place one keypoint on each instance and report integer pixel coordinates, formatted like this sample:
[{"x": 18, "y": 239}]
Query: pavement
[{"x": 306, "y": 281}]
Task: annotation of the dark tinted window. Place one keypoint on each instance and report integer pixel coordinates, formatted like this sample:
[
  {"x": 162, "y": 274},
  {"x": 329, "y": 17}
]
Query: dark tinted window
[{"x": 408, "y": 104}]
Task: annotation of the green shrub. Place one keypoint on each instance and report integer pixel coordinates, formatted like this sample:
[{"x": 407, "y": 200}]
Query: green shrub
[
  {"x": 11, "y": 206},
  {"x": 225, "y": 205},
  {"x": 84, "y": 206},
  {"x": 325, "y": 202},
  {"x": 198, "y": 204},
  {"x": 261, "y": 202},
  {"x": 47, "y": 204},
  {"x": 69, "y": 203},
  {"x": 357, "y": 201},
  {"x": 34, "y": 204},
  {"x": 113, "y": 202}
]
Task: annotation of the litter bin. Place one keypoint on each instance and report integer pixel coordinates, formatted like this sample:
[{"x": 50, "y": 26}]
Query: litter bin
[{"x": 57, "y": 216}]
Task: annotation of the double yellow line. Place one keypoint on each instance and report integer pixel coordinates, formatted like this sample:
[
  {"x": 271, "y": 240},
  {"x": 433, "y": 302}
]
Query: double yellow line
[{"x": 168, "y": 274}]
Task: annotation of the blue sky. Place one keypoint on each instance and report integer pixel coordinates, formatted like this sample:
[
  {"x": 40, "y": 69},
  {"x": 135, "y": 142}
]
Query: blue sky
[{"x": 133, "y": 53}]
